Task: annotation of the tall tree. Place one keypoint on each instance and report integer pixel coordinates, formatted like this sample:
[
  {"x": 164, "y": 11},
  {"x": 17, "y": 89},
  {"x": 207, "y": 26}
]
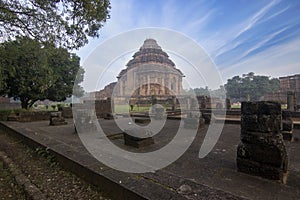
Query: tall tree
[
  {"x": 65, "y": 67},
  {"x": 250, "y": 86},
  {"x": 36, "y": 72},
  {"x": 67, "y": 23}
]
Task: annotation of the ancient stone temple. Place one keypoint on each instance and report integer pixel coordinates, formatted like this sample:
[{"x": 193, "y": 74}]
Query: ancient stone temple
[{"x": 150, "y": 72}]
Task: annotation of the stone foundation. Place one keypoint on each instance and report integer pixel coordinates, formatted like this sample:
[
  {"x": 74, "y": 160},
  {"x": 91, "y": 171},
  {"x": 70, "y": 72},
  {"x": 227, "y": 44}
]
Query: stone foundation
[
  {"x": 142, "y": 120},
  {"x": 137, "y": 138},
  {"x": 262, "y": 151}
]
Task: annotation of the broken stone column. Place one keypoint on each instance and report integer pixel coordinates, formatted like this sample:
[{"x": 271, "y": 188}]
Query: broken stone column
[
  {"x": 287, "y": 125},
  {"x": 56, "y": 119},
  {"x": 262, "y": 151},
  {"x": 291, "y": 101}
]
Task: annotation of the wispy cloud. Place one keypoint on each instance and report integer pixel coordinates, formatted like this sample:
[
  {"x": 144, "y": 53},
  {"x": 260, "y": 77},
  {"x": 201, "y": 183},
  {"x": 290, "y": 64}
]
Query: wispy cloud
[
  {"x": 278, "y": 61},
  {"x": 256, "y": 17},
  {"x": 239, "y": 36}
]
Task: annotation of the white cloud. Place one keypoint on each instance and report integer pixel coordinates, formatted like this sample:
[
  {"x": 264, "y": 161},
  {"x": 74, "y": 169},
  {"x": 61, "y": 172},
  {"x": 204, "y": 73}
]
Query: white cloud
[{"x": 277, "y": 61}]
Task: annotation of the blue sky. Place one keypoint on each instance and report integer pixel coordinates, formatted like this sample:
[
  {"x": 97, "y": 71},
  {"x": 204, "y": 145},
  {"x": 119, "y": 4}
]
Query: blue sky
[{"x": 239, "y": 36}]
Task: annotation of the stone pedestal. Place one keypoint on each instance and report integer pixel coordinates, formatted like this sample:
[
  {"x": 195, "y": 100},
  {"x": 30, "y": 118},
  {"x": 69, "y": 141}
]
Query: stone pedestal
[
  {"x": 138, "y": 137},
  {"x": 287, "y": 126},
  {"x": 56, "y": 119},
  {"x": 262, "y": 151}
]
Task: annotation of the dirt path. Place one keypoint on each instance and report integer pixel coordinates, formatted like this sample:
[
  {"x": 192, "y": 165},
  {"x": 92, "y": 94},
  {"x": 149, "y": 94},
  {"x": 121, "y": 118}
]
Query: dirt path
[{"x": 42, "y": 171}]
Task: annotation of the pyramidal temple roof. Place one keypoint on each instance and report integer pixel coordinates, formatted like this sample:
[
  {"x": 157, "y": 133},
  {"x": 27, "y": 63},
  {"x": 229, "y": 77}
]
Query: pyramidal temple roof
[
  {"x": 150, "y": 44},
  {"x": 150, "y": 52}
]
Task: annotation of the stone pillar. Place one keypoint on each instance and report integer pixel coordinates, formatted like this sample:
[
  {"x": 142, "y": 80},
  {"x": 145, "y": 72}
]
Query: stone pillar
[
  {"x": 173, "y": 103},
  {"x": 262, "y": 151},
  {"x": 287, "y": 125},
  {"x": 291, "y": 101},
  {"x": 228, "y": 104}
]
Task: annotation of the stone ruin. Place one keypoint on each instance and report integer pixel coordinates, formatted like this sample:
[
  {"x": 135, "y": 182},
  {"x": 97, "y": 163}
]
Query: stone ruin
[
  {"x": 287, "y": 125},
  {"x": 262, "y": 151},
  {"x": 57, "y": 119},
  {"x": 138, "y": 137},
  {"x": 291, "y": 101},
  {"x": 194, "y": 120}
]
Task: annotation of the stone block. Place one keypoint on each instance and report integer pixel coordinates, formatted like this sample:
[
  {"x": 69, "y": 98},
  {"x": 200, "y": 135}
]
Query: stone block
[
  {"x": 142, "y": 120},
  {"x": 261, "y": 123},
  {"x": 56, "y": 119},
  {"x": 264, "y": 171},
  {"x": 108, "y": 116},
  {"x": 288, "y": 136},
  {"x": 286, "y": 114},
  {"x": 249, "y": 108},
  {"x": 287, "y": 125},
  {"x": 268, "y": 108},
  {"x": 272, "y": 154},
  {"x": 250, "y": 137},
  {"x": 262, "y": 151},
  {"x": 138, "y": 137}
]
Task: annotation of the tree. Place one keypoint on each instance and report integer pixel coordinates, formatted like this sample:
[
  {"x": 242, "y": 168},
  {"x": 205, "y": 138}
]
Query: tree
[
  {"x": 66, "y": 23},
  {"x": 33, "y": 71},
  {"x": 250, "y": 86},
  {"x": 65, "y": 67}
]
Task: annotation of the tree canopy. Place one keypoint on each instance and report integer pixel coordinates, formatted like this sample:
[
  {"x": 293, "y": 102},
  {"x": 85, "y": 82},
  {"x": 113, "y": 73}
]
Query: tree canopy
[
  {"x": 32, "y": 71},
  {"x": 250, "y": 86},
  {"x": 66, "y": 23}
]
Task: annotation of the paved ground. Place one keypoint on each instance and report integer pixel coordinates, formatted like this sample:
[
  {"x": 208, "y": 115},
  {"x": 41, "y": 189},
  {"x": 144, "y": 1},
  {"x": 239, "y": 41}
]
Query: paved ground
[{"x": 214, "y": 176}]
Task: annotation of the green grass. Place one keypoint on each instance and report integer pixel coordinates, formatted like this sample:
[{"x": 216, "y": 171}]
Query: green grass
[{"x": 126, "y": 108}]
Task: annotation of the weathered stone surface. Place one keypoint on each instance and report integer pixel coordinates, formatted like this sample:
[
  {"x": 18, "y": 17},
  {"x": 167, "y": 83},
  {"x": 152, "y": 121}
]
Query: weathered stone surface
[
  {"x": 142, "y": 120},
  {"x": 265, "y": 171},
  {"x": 262, "y": 151},
  {"x": 108, "y": 116},
  {"x": 260, "y": 137},
  {"x": 272, "y": 154},
  {"x": 138, "y": 137},
  {"x": 286, "y": 114},
  {"x": 249, "y": 108},
  {"x": 287, "y": 125},
  {"x": 261, "y": 123},
  {"x": 56, "y": 119},
  {"x": 288, "y": 136}
]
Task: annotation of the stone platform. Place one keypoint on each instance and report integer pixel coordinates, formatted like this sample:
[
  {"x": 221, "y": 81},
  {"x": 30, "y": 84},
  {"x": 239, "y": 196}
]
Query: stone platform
[{"x": 213, "y": 177}]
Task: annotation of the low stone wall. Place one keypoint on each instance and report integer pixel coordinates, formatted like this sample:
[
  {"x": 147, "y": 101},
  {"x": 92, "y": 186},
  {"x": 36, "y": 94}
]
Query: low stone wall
[{"x": 29, "y": 116}]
